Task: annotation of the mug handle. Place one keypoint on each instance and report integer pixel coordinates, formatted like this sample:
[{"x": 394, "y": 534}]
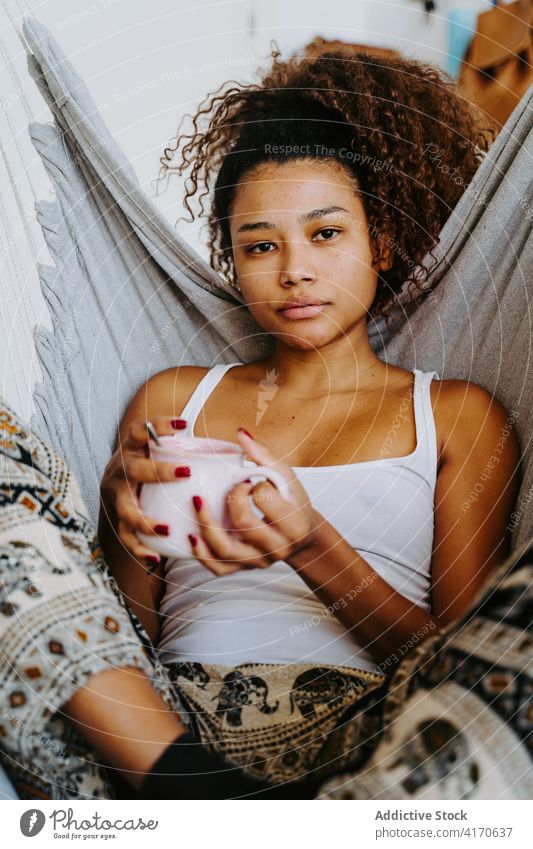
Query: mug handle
[{"x": 273, "y": 476}]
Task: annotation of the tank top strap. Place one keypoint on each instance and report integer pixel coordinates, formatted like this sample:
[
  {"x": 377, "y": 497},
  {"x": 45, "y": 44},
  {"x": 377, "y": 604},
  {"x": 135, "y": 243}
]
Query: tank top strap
[
  {"x": 201, "y": 394},
  {"x": 424, "y": 460}
]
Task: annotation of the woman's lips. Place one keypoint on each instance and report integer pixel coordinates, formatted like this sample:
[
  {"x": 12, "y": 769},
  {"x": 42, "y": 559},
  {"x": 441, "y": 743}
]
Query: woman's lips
[{"x": 303, "y": 312}]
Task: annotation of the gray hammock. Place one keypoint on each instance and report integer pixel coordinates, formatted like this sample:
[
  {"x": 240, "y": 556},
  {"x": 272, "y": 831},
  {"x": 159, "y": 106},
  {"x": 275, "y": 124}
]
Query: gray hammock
[{"x": 129, "y": 298}]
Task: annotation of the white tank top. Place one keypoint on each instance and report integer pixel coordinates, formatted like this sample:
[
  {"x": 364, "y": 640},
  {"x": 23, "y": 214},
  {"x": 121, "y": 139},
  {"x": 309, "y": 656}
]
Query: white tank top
[{"x": 385, "y": 510}]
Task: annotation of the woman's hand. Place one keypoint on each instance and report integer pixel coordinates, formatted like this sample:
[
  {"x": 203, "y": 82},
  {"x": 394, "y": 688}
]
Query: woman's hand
[
  {"x": 256, "y": 543},
  {"x": 129, "y": 467}
]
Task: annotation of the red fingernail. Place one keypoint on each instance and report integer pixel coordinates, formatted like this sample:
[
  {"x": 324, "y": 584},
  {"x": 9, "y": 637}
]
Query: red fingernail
[
  {"x": 245, "y": 432},
  {"x": 182, "y": 471},
  {"x": 152, "y": 558},
  {"x": 162, "y": 530},
  {"x": 247, "y": 480},
  {"x": 194, "y": 539},
  {"x": 178, "y": 424},
  {"x": 197, "y": 501}
]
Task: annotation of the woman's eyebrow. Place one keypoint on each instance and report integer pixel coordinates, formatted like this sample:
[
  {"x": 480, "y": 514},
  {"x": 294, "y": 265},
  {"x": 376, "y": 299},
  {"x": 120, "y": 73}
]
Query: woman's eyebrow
[
  {"x": 256, "y": 225},
  {"x": 308, "y": 216},
  {"x": 320, "y": 213}
]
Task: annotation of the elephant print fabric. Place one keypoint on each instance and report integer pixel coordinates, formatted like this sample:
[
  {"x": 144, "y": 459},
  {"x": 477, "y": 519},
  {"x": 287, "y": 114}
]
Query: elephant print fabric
[
  {"x": 320, "y": 685},
  {"x": 238, "y": 692},
  {"x": 279, "y": 722}
]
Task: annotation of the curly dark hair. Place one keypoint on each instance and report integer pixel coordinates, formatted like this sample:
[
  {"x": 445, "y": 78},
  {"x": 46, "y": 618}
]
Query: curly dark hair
[{"x": 388, "y": 119}]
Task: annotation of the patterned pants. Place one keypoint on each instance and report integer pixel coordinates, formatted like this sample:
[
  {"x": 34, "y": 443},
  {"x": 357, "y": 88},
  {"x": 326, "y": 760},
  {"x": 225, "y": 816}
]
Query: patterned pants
[{"x": 283, "y": 723}]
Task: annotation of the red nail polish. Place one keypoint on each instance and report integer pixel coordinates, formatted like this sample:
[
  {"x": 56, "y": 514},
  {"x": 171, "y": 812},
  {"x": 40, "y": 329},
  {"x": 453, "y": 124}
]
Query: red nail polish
[
  {"x": 193, "y": 539},
  {"x": 197, "y": 501},
  {"x": 245, "y": 432},
  {"x": 182, "y": 471},
  {"x": 152, "y": 558},
  {"x": 162, "y": 530},
  {"x": 178, "y": 424},
  {"x": 247, "y": 480}
]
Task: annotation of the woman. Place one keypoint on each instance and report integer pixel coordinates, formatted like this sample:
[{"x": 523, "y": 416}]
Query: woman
[{"x": 324, "y": 202}]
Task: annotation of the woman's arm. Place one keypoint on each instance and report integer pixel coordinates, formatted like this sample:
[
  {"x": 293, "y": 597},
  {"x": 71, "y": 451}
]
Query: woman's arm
[
  {"x": 475, "y": 494},
  {"x": 380, "y": 619},
  {"x": 139, "y": 579}
]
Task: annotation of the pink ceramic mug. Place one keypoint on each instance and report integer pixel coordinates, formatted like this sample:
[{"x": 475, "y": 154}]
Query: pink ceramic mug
[{"x": 216, "y": 467}]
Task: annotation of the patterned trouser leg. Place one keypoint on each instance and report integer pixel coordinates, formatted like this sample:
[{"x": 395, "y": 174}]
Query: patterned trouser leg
[{"x": 62, "y": 620}]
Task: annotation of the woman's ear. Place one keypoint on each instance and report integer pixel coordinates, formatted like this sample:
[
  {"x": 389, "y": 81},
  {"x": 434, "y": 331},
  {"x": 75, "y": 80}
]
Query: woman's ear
[
  {"x": 382, "y": 252},
  {"x": 385, "y": 263}
]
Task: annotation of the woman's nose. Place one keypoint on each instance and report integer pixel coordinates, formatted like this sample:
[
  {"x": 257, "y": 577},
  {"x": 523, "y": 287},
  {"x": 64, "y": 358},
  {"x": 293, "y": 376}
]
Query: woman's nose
[{"x": 296, "y": 263}]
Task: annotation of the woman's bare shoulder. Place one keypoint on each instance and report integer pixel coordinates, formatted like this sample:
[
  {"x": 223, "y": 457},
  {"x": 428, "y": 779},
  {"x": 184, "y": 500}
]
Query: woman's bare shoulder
[
  {"x": 176, "y": 383},
  {"x": 463, "y": 397},
  {"x": 467, "y": 413},
  {"x": 167, "y": 392}
]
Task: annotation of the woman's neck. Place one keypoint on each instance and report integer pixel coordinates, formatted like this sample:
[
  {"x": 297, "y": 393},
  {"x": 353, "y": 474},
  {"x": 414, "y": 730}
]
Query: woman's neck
[{"x": 345, "y": 365}]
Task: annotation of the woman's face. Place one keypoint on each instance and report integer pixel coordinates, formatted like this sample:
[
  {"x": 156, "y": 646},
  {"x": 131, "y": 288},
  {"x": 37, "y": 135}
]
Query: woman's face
[{"x": 299, "y": 231}]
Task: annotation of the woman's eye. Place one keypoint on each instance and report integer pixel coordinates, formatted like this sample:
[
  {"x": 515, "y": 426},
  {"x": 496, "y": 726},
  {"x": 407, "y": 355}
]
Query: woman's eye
[
  {"x": 260, "y": 248},
  {"x": 327, "y": 234}
]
